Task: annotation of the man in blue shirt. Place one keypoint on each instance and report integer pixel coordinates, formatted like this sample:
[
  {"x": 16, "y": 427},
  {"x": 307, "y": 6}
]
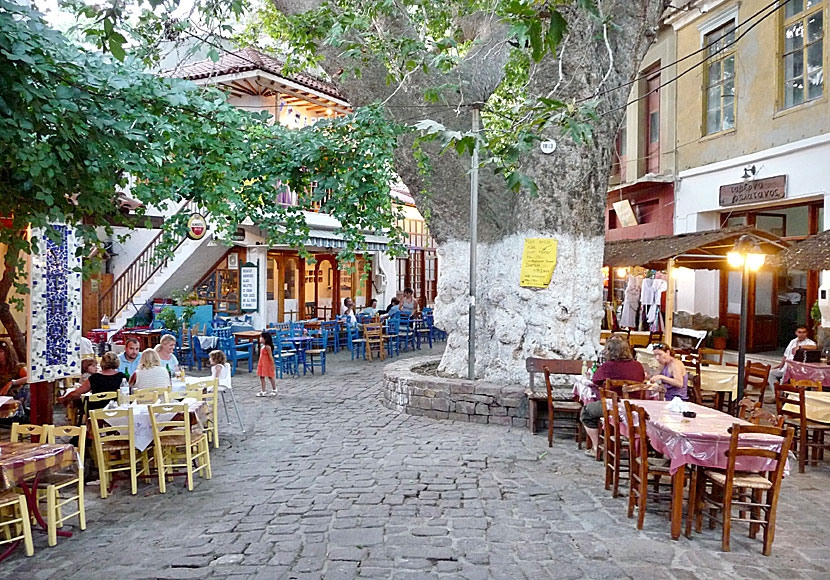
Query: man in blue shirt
[{"x": 130, "y": 357}]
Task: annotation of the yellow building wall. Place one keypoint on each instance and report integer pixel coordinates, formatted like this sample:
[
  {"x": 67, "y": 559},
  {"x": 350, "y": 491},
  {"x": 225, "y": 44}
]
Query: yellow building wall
[{"x": 760, "y": 122}]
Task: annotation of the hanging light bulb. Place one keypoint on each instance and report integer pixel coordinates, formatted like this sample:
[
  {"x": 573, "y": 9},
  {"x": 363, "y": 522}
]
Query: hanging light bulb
[
  {"x": 755, "y": 261},
  {"x": 621, "y": 272},
  {"x": 735, "y": 259}
]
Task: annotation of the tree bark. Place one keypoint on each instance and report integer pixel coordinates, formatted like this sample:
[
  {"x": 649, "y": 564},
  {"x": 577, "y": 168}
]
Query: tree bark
[
  {"x": 6, "y": 318},
  {"x": 562, "y": 320}
]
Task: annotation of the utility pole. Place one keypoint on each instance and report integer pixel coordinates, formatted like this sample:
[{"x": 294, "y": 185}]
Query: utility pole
[{"x": 471, "y": 353}]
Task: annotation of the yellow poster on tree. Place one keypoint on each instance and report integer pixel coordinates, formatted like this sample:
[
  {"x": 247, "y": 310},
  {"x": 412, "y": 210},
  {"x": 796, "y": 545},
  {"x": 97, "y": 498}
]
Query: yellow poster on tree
[{"x": 538, "y": 262}]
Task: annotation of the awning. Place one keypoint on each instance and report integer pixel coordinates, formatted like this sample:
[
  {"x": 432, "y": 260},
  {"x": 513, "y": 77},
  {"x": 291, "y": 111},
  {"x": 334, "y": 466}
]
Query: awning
[
  {"x": 810, "y": 254},
  {"x": 699, "y": 250},
  {"x": 330, "y": 240}
]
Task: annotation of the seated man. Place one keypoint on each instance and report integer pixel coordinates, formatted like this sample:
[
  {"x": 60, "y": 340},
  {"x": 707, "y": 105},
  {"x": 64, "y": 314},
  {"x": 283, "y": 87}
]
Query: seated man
[
  {"x": 372, "y": 309},
  {"x": 800, "y": 340},
  {"x": 394, "y": 308}
]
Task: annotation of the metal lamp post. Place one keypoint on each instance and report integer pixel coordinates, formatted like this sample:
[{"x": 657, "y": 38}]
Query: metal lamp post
[{"x": 746, "y": 255}]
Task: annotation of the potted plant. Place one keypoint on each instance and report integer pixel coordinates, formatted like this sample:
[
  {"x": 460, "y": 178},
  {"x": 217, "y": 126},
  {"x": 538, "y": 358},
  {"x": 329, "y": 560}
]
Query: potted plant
[
  {"x": 168, "y": 319},
  {"x": 719, "y": 337}
]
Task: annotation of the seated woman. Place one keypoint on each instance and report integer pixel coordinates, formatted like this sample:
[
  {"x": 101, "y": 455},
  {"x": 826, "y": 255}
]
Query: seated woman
[
  {"x": 108, "y": 379},
  {"x": 150, "y": 373},
  {"x": 165, "y": 349},
  {"x": 673, "y": 375},
  {"x": 619, "y": 365},
  {"x": 12, "y": 371}
]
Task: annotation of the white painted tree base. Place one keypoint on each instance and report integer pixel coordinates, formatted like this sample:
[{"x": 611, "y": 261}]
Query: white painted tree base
[{"x": 513, "y": 323}]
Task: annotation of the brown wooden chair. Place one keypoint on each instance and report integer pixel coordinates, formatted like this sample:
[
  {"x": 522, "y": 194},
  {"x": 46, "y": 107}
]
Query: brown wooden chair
[
  {"x": 615, "y": 450},
  {"x": 808, "y": 385},
  {"x": 555, "y": 404},
  {"x": 696, "y": 394},
  {"x": 641, "y": 470},
  {"x": 790, "y": 403},
  {"x": 710, "y": 356},
  {"x": 744, "y": 490},
  {"x": 561, "y": 398},
  {"x": 746, "y": 406},
  {"x": 655, "y": 337},
  {"x": 642, "y": 391},
  {"x": 373, "y": 335},
  {"x": 756, "y": 377},
  {"x": 761, "y": 416}
]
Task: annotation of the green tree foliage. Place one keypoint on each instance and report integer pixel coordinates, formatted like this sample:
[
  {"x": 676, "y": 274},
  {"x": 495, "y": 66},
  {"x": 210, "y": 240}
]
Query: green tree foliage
[{"x": 76, "y": 127}]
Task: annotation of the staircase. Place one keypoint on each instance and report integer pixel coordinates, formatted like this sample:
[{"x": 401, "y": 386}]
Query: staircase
[{"x": 150, "y": 274}]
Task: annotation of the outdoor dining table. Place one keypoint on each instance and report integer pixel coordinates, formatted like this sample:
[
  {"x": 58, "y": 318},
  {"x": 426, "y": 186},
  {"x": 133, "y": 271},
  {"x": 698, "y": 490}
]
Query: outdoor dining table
[
  {"x": 300, "y": 344},
  {"x": 798, "y": 371},
  {"x": 246, "y": 335},
  {"x": 701, "y": 441},
  {"x": 143, "y": 427},
  {"x": 22, "y": 464},
  {"x": 816, "y": 406},
  {"x": 8, "y": 407}
]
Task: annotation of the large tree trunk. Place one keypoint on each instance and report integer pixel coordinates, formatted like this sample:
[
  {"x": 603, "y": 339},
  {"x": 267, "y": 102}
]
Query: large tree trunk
[
  {"x": 513, "y": 323},
  {"x": 6, "y": 317}
]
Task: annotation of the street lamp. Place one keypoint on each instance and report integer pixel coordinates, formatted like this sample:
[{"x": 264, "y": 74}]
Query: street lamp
[{"x": 748, "y": 255}]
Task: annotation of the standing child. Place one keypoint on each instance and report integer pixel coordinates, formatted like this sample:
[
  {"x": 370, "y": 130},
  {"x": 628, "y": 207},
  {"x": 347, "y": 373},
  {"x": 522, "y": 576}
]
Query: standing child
[
  {"x": 265, "y": 367},
  {"x": 218, "y": 366}
]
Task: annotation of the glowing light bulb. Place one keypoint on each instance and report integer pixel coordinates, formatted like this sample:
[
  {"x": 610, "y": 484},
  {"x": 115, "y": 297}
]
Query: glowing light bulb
[
  {"x": 755, "y": 261},
  {"x": 621, "y": 272},
  {"x": 735, "y": 259}
]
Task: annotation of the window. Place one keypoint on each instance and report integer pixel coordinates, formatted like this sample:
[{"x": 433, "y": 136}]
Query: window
[
  {"x": 720, "y": 79},
  {"x": 803, "y": 48},
  {"x": 652, "y": 121},
  {"x": 618, "y": 165}
]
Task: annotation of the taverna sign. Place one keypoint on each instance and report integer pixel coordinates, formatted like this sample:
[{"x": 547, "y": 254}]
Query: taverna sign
[{"x": 755, "y": 190}]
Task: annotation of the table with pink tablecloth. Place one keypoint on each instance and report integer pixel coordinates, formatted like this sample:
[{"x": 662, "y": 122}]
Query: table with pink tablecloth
[{"x": 799, "y": 371}]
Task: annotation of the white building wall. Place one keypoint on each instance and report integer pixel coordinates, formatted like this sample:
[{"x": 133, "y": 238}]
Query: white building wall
[{"x": 806, "y": 163}]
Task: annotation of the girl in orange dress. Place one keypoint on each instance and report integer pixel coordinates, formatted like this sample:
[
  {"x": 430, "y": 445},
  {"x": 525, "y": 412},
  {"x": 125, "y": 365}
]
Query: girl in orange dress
[{"x": 265, "y": 367}]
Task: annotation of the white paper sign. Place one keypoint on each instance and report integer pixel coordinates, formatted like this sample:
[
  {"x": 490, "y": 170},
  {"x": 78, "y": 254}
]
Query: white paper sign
[{"x": 248, "y": 286}]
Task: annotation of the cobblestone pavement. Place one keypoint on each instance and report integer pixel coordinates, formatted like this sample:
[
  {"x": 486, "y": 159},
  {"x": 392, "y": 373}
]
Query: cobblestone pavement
[{"x": 330, "y": 484}]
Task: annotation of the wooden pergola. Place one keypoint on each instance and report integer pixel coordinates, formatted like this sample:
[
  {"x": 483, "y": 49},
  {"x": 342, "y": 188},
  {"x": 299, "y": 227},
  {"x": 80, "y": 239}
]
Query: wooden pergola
[{"x": 705, "y": 250}]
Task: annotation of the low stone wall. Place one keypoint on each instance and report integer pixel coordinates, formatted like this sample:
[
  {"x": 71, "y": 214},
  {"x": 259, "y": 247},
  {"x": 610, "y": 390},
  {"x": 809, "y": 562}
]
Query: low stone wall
[{"x": 445, "y": 398}]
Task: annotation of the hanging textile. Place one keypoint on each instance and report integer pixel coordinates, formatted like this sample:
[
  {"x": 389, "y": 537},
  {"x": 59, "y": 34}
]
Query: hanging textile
[
  {"x": 631, "y": 302},
  {"x": 654, "y": 316}
]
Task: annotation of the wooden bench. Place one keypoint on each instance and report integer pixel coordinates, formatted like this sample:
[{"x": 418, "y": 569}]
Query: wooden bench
[{"x": 556, "y": 397}]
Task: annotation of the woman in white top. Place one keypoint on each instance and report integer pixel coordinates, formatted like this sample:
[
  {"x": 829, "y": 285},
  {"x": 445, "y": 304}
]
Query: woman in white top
[
  {"x": 150, "y": 374},
  {"x": 165, "y": 349}
]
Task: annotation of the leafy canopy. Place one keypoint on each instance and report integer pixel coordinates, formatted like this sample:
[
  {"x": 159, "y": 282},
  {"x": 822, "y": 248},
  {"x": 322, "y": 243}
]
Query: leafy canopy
[{"x": 76, "y": 127}]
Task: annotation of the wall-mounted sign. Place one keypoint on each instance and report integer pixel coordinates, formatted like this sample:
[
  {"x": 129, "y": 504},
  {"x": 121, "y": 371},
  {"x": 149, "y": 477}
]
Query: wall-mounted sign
[
  {"x": 548, "y": 147},
  {"x": 249, "y": 287},
  {"x": 238, "y": 235},
  {"x": 233, "y": 261},
  {"x": 538, "y": 262},
  {"x": 754, "y": 190},
  {"x": 625, "y": 213},
  {"x": 196, "y": 226}
]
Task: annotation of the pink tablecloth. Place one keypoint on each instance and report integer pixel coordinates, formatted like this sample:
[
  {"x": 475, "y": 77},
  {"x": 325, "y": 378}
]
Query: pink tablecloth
[
  {"x": 798, "y": 371},
  {"x": 702, "y": 440}
]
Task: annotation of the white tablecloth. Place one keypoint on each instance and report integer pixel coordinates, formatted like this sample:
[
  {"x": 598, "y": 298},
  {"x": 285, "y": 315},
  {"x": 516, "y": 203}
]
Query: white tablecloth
[{"x": 141, "y": 421}]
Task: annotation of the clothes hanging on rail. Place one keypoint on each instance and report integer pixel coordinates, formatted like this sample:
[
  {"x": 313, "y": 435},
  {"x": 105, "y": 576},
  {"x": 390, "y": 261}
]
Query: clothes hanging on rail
[{"x": 631, "y": 302}]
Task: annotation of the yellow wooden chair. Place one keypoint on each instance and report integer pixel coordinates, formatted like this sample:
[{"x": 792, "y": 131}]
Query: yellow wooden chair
[
  {"x": 150, "y": 396},
  {"x": 26, "y": 432},
  {"x": 97, "y": 398},
  {"x": 115, "y": 447},
  {"x": 207, "y": 390},
  {"x": 57, "y": 482},
  {"x": 14, "y": 520},
  {"x": 177, "y": 444}
]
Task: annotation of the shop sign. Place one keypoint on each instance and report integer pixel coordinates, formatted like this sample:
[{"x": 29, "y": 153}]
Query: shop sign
[
  {"x": 196, "y": 226},
  {"x": 756, "y": 190},
  {"x": 249, "y": 287},
  {"x": 538, "y": 262},
  {"x": 238, "y": 235}
]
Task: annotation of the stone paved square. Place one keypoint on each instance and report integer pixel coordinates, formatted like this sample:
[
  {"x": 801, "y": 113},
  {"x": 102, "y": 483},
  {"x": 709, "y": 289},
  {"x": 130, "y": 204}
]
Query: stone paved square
[{"x": 330, "y": 484}]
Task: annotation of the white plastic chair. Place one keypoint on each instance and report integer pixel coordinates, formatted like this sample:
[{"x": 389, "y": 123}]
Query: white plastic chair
[{"x": 225, "y": 386}]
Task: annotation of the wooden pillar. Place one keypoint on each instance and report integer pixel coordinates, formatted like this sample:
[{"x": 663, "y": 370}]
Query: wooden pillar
[
  {"x": 669, "y": 303},
  {"x": 41, "y": 403}
]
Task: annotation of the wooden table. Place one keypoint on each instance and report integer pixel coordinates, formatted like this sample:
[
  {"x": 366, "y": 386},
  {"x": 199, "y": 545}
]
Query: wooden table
[
  {"x": 8, "y": 407},
  {"x": 146, "y": 338},
  {"x": 798, "y": 371},
  {"x": 700, "y": 441},
  {"x": 816, "y": 405},
  {"x": 247, "y": 335}
]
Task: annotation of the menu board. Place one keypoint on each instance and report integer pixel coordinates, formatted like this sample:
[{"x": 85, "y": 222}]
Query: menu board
[
  {"x": 249, "y": 287},
  {"x": 538, "y": 262}
]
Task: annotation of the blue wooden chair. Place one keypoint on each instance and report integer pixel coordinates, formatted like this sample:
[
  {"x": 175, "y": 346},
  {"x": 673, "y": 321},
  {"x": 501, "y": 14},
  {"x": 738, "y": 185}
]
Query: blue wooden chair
[
  {"x": 234, "y": 352},
  {"x": 437, "y": 333},
  {"x": 333, "y": 333},
  {"x": 391, "y": 333},
  {"x": 425, "y": 329},
  {"x": 355, "y": 343},
  {"x": 199, "y": 354},
  {"x": 315, "y": 354},
  {"x": 406, "y": 333},
  {"x": 285, "y": 357}
]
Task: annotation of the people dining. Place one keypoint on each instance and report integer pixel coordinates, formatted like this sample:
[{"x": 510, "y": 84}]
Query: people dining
[
  {"x": 107, "y": 380},
  {"x": 12, "y": 371},
  {"x": 394, "y": 308},
  {"x": 372, "y": 309},
  {"x": 673, "y": 374},
  {"x": 349, "y": 312},
  {"x": 789, "y": 353},
  {"x": 619, "y": 365},
  {"x": 165, "y": 349},
  {"x": 409, "y": 304},
  {"x": 129, "y": 358},
  {"x": 150, "y": 374}
]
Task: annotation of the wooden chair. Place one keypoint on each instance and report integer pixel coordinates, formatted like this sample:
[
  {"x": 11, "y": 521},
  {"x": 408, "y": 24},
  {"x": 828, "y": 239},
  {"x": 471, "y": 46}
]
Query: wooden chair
[
  {"x": 615, "y": 446},
  {"x": 746, "y": 406},
  {"x": 745, "y": 490},
  {"x": 27, "y": 432},
  {"x": 226, "y": 386},
  {"x": 696, "y": 394},
  {"x": 207, "y": 390},
  {"x": 644, "y": 391},
  {"x": 177, "y": 444},
  {"x": 56, "y": 483},
  {"x": 373, "y": 335},
  {"x": 641, "y": 471},
  {"x": 710, "y": 356},
  {"x": 316, "y": 348},
  {"x": 97, "y": 398},
  {"x": 150, "y": 396},
  {"x": 808, "y": 385},
  {"x": 763, "y": 417},
  {"x": 561, "y": 398},
  {"x": 115, "y": 451},
  {"x": 15, "y": 521},
  {"x": 556, "y": 402},
  {"x": 756, "y": 377},
  {"x": 790, "y": 403}
]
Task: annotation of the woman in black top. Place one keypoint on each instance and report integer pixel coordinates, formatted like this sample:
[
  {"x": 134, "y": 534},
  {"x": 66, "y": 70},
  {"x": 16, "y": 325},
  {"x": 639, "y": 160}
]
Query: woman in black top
[{"x": 107, "y": 381}]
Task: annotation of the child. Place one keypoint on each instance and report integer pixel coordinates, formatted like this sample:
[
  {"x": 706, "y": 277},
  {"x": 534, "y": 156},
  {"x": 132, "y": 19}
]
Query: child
[
  {"x": 89, "y": 366},
  {"x": 265, "y": 367},
  {"x": 219, "y": 368}
]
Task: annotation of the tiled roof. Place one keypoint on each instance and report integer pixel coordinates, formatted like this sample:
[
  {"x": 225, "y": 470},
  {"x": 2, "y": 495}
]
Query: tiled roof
[{"x": 250, "y": 59}]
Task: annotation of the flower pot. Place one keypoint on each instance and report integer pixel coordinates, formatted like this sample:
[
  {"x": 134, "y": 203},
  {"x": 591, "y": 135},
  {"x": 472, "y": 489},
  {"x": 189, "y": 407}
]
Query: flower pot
[{"x": 719, "y": 342}]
